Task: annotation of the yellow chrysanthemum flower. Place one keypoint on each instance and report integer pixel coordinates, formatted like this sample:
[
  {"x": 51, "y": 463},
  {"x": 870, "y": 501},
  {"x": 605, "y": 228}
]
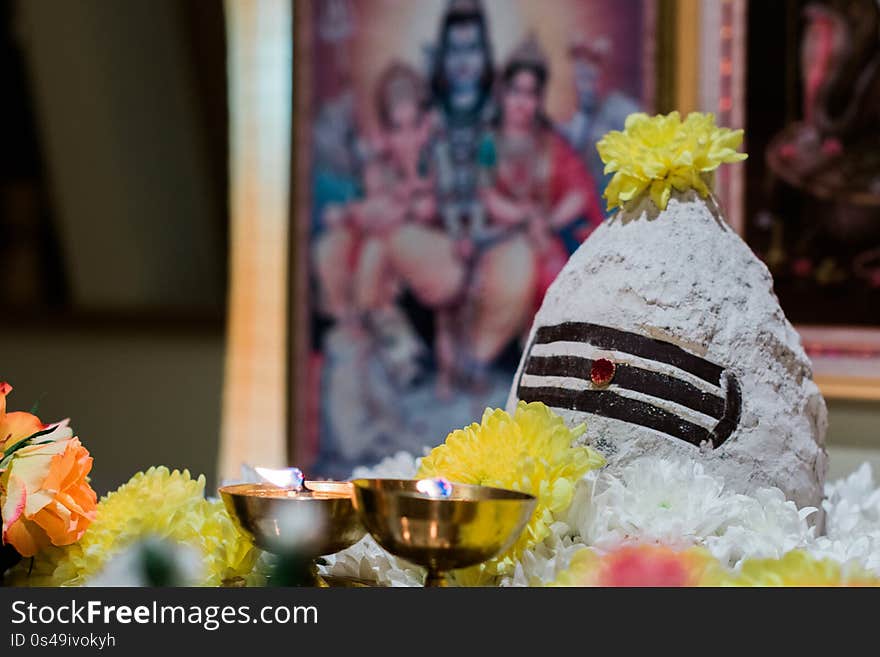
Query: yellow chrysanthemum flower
[
  {"x": 661, "y": 153},
  {"x": 159, "y": 503},
  {"x": 531, "y": 452},
  {"x": 797, "y": 568}
]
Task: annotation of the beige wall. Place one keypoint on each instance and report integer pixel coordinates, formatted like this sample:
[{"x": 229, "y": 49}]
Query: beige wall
[
  {"x": 135, "y": 398},
  {"x": 853, "y": 436}
]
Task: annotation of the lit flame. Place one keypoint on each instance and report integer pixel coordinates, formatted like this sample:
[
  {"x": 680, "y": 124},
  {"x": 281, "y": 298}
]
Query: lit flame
[
  {"x": 289, "y": 478},
  {"x": 437, "y": 487}
]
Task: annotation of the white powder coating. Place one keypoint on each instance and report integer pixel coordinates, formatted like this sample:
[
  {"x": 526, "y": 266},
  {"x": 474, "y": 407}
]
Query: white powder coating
[{"x": 684, "y": 276}]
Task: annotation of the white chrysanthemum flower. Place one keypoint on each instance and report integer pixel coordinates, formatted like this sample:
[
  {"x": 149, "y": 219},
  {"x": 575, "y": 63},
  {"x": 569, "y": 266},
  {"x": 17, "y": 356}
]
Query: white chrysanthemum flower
[
  {"x": 368, "y": 561},
  {"x": 580, "y": 512},
  {"x": 852, "y": 504},
  {"x": 655, "y": 500},
  {"x": 764, "y": 525},
  {"x": 544, "y": 562},
  {"x": 860, "y": 550},
  {"x": 852, "y": 521},
  {"x": 402, "y": 465},
  {"x": 677, "y": 503}
]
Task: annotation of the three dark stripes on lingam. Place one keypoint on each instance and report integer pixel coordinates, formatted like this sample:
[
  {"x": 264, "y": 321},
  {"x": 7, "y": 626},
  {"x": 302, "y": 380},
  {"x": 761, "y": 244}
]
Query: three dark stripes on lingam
[{"x": 722, "y": 402}]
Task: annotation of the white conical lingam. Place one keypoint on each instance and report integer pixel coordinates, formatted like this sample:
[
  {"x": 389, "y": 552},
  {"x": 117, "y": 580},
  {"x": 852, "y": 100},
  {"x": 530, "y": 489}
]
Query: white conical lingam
[{"x": 664, "y": 335}]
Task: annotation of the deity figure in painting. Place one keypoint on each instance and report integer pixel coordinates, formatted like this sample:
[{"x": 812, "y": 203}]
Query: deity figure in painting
[
  {"x": 352, "y": 255},
  {"x": 539, "y": 188},
  {"x": 364, "y": 257},
  {"x": 461, "y": 83}
]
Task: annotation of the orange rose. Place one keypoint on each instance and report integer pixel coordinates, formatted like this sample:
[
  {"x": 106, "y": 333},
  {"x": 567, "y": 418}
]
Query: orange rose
[
  {"x": 45, "y": 496},
  {"x": 18, "y": 425}
]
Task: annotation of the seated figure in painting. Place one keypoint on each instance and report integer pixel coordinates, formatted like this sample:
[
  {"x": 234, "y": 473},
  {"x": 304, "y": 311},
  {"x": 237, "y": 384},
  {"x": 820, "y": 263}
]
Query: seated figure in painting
[
  {"x": 539, "y": 187},
  {"x": 391, "y": 237},
  {"x": 426, "y": 225},
  {"x": 360, "y": 274},
  {"x": 462, "y": 77}
]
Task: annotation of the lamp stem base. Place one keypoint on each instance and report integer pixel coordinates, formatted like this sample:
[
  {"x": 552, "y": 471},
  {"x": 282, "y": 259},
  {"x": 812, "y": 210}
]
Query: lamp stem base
[{"x": 436, "y": 578}]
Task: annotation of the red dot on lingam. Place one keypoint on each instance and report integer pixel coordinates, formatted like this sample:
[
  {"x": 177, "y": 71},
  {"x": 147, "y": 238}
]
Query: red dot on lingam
[{"x": 602, "y": 372}]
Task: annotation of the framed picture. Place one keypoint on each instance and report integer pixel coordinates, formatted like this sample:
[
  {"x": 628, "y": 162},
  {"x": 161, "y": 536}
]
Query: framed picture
[
  {"x": 444, "y": 170},
  {"x": 802, "y": 78}
]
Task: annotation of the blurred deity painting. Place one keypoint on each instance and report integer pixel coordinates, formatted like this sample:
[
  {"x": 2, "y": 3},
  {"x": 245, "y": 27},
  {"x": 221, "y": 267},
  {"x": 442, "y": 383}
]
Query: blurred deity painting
[
  {"x": 451, "y": 171},
  {"x": 813, "y": 117}
]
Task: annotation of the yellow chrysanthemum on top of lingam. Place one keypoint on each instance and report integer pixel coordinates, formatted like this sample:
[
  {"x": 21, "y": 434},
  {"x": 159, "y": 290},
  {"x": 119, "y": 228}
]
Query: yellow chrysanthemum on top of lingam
[
  {"x": 153, "y": 504},
  {"x": 656, "y": 154},
  {"x": 532, "y": 452}
]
